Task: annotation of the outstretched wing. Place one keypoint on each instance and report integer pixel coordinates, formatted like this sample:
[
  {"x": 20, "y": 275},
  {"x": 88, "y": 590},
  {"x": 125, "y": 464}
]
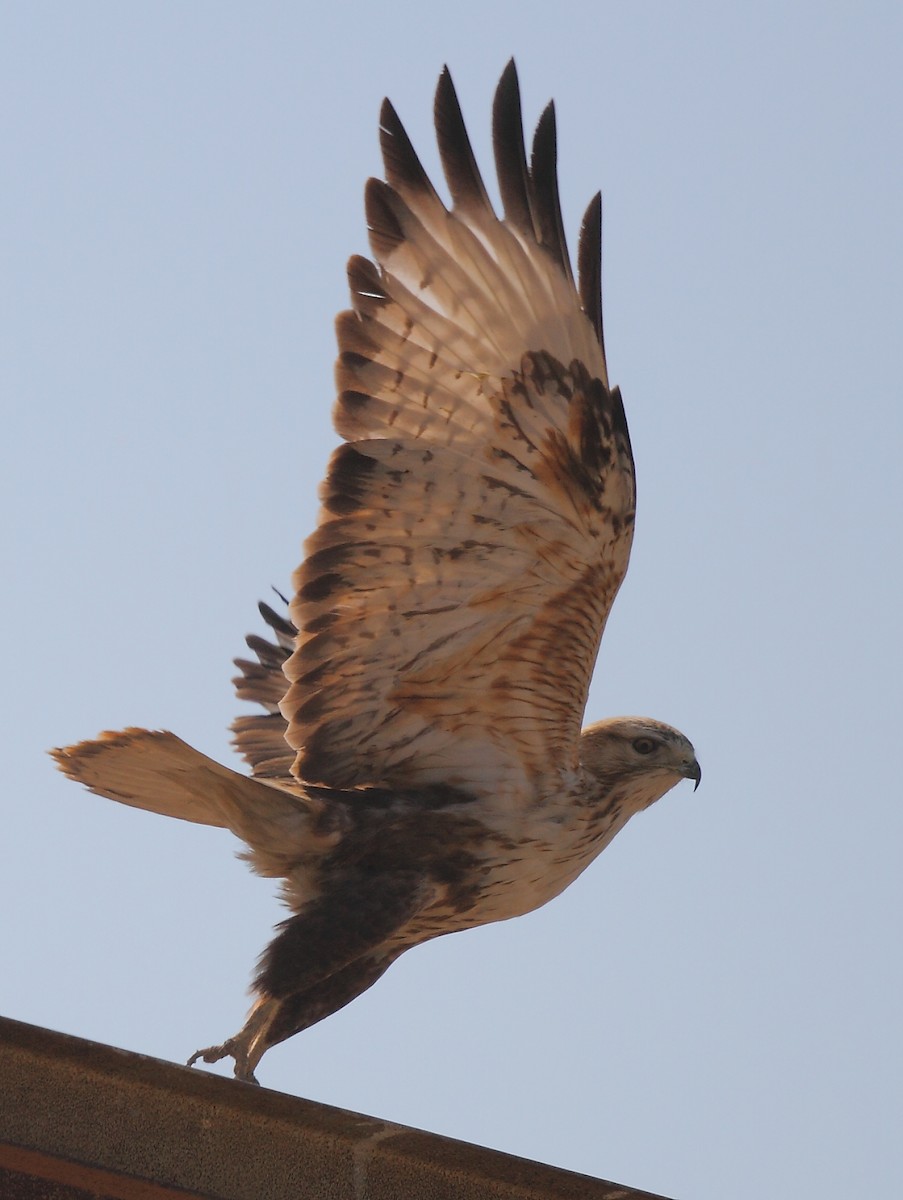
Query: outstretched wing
[{"x": 476, "y": 525}]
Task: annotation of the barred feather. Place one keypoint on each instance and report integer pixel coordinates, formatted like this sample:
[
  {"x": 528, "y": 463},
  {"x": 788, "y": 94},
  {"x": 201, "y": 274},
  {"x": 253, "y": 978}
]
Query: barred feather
[{"x": 476, "y": 526}]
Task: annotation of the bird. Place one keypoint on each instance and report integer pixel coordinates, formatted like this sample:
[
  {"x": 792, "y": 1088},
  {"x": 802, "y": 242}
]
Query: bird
[{"x": 418, "y": 766}]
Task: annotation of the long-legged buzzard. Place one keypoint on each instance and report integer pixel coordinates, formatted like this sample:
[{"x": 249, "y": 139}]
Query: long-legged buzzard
[{"x": 419, "y": 766}]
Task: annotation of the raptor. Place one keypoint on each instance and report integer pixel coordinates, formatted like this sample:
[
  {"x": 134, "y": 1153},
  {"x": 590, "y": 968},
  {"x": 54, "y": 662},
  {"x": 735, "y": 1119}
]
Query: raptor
[{"x": 418, "y": 764}]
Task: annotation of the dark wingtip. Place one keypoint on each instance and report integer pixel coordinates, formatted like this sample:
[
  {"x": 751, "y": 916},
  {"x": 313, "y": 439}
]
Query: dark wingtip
[
  {"x": 510, "y": 155},
  {"x": 509, "y": 83},
  {"x": 458, "y": 160},
  {"x": 386, "y": 233},
  {"x": 276, "y": 621},
  {"x": 402, "y": 166},
  {"x": 589, "y": 265},
  {"x": 544, "y": 189},
  {"x": 364, "y": 279}
]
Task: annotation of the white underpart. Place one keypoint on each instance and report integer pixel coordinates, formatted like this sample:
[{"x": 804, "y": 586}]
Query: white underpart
[{"x": 553, "y": 844}]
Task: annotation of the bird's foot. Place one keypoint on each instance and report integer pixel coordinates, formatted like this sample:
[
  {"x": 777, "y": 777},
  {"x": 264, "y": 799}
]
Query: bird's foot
[
  {"x": 248, "y": 1046},
  {"x": 230, "y": 1048}
]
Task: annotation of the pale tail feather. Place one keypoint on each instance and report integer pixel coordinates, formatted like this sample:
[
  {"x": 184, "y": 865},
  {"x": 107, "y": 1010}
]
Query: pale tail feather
[{"x": 160, "y": 773}]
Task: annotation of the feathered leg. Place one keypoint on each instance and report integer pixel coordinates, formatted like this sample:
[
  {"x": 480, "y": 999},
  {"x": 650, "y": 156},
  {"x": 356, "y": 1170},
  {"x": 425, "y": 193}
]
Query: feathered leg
[
  {"x": 273, "y": 1019},
  {"x": 321, "y": 959}
]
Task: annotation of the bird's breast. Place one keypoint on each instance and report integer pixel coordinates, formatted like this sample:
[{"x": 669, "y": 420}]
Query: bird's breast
[{"x": 517, "y": 868}]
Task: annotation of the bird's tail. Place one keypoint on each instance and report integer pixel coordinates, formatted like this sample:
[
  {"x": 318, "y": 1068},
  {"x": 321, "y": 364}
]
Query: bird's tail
[{"x": 160, "y": 773}]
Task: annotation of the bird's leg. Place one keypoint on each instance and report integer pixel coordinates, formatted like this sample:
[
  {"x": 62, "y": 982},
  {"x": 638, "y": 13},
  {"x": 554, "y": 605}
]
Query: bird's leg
[
  {"x": 273, "y": 1019},
  {"x": 248, "y": 1046},
  {"x": 320, "y": 960}
]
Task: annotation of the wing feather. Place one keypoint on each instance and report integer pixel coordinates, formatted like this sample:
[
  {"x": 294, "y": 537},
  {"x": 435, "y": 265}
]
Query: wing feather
[
  {"x": 476, "y": 524},
  {"x": 589, "y": 265},
  {"x": 260, "y": 737},
  {"x": 459, "y": 163},
  {"x": 510, "y": 155},
  {"x": 546, "y": 204}
]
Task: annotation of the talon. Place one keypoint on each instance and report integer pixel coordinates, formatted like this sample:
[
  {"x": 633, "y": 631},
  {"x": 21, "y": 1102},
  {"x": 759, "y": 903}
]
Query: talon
[
  {"x": 230, "y": 1049},
  {"x": 211, "y": 1055}
]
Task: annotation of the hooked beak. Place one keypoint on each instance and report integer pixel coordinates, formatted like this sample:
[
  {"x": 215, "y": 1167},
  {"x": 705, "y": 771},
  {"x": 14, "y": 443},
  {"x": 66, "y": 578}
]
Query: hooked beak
[{"x": 693, "y": 771}]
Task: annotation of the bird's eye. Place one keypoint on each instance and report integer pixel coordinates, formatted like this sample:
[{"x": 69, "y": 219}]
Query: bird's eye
[{"x": 644, "y": 745}]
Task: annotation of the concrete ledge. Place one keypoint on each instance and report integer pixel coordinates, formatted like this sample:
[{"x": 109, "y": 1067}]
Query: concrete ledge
[{"x": 82, "y": 1121}]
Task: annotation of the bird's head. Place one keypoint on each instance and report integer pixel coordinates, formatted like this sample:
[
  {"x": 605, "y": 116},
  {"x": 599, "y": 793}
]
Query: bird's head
[{"x": 647, "y": 756}]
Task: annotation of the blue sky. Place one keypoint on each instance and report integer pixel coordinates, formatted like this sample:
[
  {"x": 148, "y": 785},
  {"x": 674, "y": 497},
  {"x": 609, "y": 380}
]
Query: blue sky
[{"x": 714, "y": 1007}]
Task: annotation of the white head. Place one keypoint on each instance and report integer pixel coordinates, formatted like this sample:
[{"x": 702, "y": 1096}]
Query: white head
[{"x": 644, "y": 757}]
